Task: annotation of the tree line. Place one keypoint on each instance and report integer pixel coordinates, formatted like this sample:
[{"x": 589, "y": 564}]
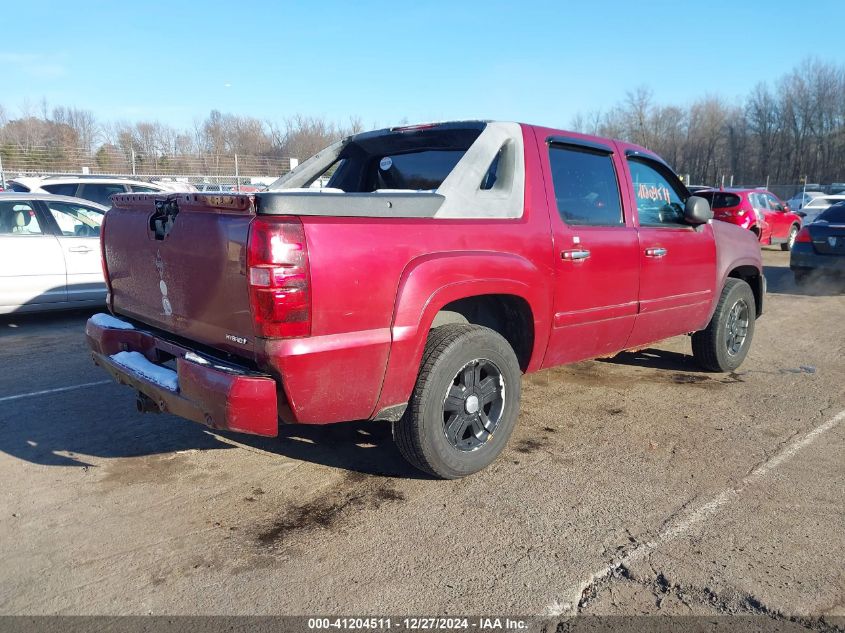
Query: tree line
[
  {"x": 65, "y": 138},
  {"x": 779, "y": 133}
]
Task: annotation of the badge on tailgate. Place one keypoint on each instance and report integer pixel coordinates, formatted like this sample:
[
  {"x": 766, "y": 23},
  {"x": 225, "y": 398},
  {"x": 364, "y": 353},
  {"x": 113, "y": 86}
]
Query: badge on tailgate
[{"x": 161, "y": 222}]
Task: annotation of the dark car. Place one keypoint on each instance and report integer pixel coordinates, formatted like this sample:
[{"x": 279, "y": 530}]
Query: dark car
[{"x": 820, "y": 246}]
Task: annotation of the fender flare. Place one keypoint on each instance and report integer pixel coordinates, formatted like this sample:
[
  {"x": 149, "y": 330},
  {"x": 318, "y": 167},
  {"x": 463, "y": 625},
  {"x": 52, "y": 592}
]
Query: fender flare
[
  {"x": 434, "y": 280},
  {"x": 725, "y": 273}
]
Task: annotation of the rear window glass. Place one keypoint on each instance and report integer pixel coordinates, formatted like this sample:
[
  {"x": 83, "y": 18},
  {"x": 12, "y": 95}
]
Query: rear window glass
[
  {"x": 417, "y": 160},
  {"x": 833, "y": 215},
  {"x": 16, "y": 186},
  {"x": 417, "y": 170},
  {"x": 719, "y": 199}
]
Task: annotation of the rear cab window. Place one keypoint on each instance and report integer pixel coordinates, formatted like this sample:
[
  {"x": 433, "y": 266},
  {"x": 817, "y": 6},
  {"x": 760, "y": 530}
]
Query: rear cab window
[{"x": 412, "y": 160}]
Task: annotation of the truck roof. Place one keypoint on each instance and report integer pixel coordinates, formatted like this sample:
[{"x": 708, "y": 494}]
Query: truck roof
[{"x": 478, "y": 149}]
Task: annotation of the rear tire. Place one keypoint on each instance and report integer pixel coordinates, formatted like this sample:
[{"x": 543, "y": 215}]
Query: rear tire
[
  {"x": 787, "y": 245},
  {"x": 464, "y": 405},
  {"x": 724, "y": 343}
]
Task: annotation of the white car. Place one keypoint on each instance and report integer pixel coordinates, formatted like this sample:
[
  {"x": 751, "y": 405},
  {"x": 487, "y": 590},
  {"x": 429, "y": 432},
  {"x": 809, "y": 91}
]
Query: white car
[
  {"x": 814, "y": 208},
  {"x": 49, "y": 253},
  {"x": 97, "y": 189},
  {"x": 802, "y": 198}
]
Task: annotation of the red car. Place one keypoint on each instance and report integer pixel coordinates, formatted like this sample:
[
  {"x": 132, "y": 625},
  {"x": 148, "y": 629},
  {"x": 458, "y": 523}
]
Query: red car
[
  {"x": 757, "y": 210},
  {"x": 439, "y": 264}
]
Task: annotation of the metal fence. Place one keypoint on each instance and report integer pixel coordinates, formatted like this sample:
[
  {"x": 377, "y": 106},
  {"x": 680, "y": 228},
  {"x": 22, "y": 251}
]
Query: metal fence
[
  {"x": 111, "y": 161},
  {"x": 202, "y": 169}
]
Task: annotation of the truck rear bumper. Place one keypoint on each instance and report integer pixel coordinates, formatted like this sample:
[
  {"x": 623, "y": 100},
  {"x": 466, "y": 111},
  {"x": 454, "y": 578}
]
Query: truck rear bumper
[{"x": 219, "y": 396}]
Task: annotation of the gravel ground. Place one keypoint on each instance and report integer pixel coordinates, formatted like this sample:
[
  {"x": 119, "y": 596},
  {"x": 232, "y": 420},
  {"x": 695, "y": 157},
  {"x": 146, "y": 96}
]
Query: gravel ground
[{"x": 635, "y": 485}]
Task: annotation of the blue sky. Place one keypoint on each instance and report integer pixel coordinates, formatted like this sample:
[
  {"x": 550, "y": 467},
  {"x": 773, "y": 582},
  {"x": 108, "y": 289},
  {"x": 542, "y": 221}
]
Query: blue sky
[{"x": 539, "y": 62}]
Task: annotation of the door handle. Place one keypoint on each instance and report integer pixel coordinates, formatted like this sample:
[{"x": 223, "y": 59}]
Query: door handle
[
  {"x": 79, "y": 249},
  {"x": 656, "y": 252},
  {"x": 575, "y": 255}
]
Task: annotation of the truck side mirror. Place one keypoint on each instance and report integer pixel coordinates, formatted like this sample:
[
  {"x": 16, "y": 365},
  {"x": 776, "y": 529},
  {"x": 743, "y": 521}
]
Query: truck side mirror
[{"x": 697, "y": 210}]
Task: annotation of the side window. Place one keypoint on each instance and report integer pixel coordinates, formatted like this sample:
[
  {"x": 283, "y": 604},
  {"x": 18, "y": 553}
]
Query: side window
[
  {"x": 75, "y": 220},
  {"x": 774, "y": 203},
  {"x": 586, "y": 188},
  {"x": 67, "y": 189},
  {"x": 100, "y": 193},
  {"x": 142, "y": 189},
  {"x": 18, "y": 218},
  {"x": 757, "y": 201},
  {"x": 659, "y": 199}
]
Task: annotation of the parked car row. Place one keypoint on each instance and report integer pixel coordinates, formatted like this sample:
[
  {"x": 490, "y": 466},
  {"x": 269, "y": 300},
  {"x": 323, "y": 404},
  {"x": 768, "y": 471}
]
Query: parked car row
[
  {"x": 99, "y": 189},
  {"x": 95, "y": 189},
  {"x": 817, "y": 205}
]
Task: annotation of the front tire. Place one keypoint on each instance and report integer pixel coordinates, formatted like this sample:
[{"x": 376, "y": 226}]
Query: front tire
[
  {"x": 724, "y": 343},
  {"x": 464, "y": 405},
  {"x": 787, "y": 245}
]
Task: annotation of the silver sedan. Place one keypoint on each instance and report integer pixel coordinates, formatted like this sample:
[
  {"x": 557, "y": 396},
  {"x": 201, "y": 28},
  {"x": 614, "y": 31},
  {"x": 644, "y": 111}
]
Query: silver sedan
[{"x": 49, "y": 253}]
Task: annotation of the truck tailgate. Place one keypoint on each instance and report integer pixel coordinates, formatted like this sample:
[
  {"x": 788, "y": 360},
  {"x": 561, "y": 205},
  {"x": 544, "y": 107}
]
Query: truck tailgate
[{"x": 178, "y": 263}]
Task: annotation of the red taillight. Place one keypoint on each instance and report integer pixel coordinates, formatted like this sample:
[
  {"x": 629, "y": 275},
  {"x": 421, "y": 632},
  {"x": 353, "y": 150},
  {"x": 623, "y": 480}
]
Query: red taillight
[
  {"x": 277, "y": 272},
  {"x": 804, "y": 236}
]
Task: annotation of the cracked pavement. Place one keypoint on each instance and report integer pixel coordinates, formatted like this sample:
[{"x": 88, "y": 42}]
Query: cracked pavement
[{"x": 633, "y": 485}]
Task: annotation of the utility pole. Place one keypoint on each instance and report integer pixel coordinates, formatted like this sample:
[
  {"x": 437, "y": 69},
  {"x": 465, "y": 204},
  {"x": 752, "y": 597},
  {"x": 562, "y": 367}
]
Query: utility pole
[
  {"x": 133, "y": 160},
  {"x": 2, "y": 174},
  {"x": 237, "y": 176}
]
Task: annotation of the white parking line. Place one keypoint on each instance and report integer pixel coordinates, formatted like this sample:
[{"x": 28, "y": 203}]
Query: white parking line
[
  {"x": 694, "y": 516},
  {"x": 57, "y": 390}
]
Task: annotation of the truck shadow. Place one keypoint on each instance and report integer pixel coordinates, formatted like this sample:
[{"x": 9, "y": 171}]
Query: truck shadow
[
  {"x": 361, "y": 446},
  {"x": 79, "y": 428},
  {"x": 33, "y": 323},
  {"x": 656, "y": 359}
]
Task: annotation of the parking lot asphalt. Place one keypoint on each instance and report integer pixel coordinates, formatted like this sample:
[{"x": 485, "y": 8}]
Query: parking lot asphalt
[{"x": 637, "y": 484}]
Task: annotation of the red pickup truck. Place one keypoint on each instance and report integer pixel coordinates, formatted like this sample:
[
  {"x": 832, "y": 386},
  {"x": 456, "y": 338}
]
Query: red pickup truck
[{"x": 439, "y": 263}]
